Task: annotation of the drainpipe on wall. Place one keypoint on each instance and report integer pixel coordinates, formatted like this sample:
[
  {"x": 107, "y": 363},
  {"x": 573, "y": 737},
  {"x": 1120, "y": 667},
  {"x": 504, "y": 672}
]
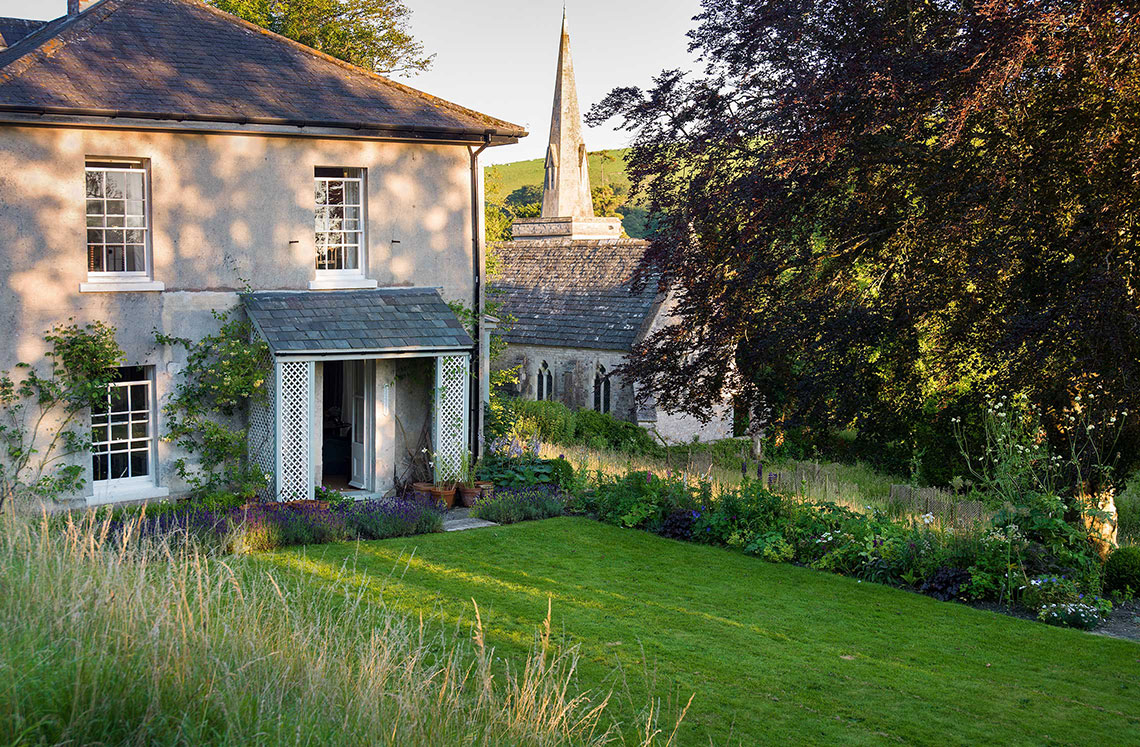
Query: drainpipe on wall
[{"x": 478, "y": 268}]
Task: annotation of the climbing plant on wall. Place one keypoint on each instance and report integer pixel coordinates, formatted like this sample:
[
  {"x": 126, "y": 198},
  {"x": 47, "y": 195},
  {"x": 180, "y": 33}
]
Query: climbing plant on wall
[{"x": 205, "y": 416}]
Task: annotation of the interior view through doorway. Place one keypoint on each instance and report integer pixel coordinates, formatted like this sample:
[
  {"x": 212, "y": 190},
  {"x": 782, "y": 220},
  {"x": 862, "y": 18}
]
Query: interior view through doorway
[{"x": 346, "y": 435}]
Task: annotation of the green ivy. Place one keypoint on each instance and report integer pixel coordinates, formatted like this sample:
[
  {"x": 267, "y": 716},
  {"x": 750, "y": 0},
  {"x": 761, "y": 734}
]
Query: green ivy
[
  {"x": 225, "y": 374},
  {"x": 40, "y": 416}
]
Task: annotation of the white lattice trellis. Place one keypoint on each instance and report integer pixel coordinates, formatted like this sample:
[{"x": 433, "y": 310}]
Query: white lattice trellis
[
  {"x": 294, "y": 430},
  {"x": 452, "y": 394},
  {"x": 262, "y": 432}
]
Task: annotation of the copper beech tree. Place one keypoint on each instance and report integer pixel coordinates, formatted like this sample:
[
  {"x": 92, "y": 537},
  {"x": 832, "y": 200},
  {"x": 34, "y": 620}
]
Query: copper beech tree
[{"x": 878, "y": 213}]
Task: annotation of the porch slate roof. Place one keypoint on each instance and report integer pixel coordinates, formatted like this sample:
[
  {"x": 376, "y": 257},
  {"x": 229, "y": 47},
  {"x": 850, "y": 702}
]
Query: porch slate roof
[{"x": 385, "y": 320}]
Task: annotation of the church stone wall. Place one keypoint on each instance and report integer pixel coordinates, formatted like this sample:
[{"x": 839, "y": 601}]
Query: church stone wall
[{"x": 573, "y": 373}]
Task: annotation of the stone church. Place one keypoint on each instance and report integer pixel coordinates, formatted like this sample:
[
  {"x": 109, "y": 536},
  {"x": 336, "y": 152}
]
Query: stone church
[{"x": 566, "y": 282}]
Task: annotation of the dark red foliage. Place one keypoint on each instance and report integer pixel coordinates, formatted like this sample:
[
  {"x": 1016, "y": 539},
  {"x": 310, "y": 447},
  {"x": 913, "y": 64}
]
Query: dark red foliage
[{"x": 875, "y": 213}]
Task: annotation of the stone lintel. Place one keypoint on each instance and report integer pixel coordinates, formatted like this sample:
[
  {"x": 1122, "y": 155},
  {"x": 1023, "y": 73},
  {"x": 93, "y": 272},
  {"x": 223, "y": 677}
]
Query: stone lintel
[{"x": 570, "y": 228}]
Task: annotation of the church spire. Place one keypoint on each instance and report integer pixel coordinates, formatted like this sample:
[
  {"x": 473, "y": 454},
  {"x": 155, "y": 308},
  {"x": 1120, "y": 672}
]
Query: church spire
[{"x": 566, "y": 191}]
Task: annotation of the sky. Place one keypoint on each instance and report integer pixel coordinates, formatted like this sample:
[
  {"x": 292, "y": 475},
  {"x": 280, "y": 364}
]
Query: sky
[{"x": 499, "y": 56}]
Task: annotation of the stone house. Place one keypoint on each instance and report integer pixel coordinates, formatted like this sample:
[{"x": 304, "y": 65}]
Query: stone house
[
  {"x": 161, "y": 160},
  {"x": 567, "y": 283}
]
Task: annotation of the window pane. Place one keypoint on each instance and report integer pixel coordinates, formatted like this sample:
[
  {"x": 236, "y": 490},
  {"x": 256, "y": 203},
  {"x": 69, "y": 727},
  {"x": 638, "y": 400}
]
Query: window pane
[
  {"x": 120, "y": 432},
  {"x": 350, "y": 258},
  {"x": 94, "y": 207},
  {"x": 116, "y": 184},
  {"x": 120, "y": 466},
  {"x": 136, "y": 221},
  {"x": 352, "y": 193},
  {"x": 99, "y": 466},
  {"x": 118, "y": 399},
  {"x": 94, "y": 237},
  {"x": 136, "y": 258},
  {"x": 322, "y": 192},
  {"x": 94, "y": 184},
  {"x": 134, "y": 186},
  {"x": 113, "y": 259},
  {"x": 99, "y": 434},
  {"x": 115, "y": 236},
  {"x": 139, "y": 399},
  {"x": 138, "y": 430},
  {"x": 140, "y": 463},
  {"x": 115, "y": 221},
  {"x": 116, "y": 207},
  {"x": 336, "y": 193}
]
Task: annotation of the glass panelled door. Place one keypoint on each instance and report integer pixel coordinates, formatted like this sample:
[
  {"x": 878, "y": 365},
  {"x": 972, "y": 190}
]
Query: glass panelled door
[{"x": 356, "y": 394}]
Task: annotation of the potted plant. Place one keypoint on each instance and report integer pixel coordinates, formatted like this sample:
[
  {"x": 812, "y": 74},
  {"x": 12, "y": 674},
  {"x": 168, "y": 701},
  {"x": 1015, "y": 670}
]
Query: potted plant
[{"x": 468, "y": 489}]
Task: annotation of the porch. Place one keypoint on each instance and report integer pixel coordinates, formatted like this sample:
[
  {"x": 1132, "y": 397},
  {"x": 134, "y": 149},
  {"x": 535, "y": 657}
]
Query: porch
[{"x": 359, "y": 384}]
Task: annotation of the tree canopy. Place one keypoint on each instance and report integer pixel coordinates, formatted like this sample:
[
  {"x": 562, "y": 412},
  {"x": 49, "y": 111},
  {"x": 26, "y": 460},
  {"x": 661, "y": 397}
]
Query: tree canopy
[
  {"x": 372, "y": 34},
  {"x": 877, "y": 214}
]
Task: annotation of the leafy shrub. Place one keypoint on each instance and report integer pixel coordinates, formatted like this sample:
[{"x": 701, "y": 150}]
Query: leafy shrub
[
  {"x": 946, "y": 584},
  {"x": 512, "y": 505},
  {"x": 678, "y": 525},
  {"x": 1122, "y": 571},
  {"x": 554, "y": 423},
  {"x": 1128, "y": 511},
  {"x": 604, "y": 431},
  {"x": 1049, "y": 590},
  {"x": 1072, "y": 615},
  {"x": 550, "y": 421}
]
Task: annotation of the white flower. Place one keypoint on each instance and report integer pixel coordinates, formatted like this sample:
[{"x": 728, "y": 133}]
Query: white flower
[{"x": 928, "y": 519}]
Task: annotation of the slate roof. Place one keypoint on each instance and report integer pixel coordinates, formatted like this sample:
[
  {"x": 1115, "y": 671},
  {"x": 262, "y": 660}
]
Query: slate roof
[
  {"x": 385, "y": 320},
  {"x": 185, "y": 61},
  {"x": 13, "y": 30},
  {"x": 574, "y": 293}
]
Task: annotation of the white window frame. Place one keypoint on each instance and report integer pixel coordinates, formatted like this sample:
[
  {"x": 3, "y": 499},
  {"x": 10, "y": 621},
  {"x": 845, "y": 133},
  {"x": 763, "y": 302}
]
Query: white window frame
[
  {"x": 107, "y": 280},
  {"x": 115, "y": 486},
  {"x": 342, "y": 278}
]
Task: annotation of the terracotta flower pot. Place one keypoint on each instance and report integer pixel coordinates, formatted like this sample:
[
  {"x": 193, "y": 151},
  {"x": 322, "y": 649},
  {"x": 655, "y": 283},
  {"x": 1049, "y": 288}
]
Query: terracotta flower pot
[
  {"x": 422, "y": 487},
  {"x": 486, "y": 486},
  {"x": 469, "y": 495},
  {"x": 445, "y": 493}
]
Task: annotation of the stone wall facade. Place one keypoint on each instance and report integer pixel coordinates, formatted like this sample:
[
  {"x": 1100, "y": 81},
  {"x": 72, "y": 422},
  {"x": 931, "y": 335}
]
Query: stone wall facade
[
  {"x": 573, "y": 371},
  {"x": 226, "y": 212}
]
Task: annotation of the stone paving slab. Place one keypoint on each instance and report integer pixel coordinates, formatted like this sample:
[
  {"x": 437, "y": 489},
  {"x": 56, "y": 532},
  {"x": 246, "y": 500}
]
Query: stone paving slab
[{"x": 459, "y": 524}]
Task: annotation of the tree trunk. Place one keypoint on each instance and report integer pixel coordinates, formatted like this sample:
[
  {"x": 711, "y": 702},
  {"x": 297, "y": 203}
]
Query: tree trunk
[{"x": 1098, "y": 512}]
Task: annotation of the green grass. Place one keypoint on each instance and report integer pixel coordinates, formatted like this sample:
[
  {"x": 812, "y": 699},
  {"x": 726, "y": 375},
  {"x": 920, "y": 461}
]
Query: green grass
[
  {"x": 160, "y": 644},
  {"x": 769, "y": 652},
  {"x": 522, "y": 173}
]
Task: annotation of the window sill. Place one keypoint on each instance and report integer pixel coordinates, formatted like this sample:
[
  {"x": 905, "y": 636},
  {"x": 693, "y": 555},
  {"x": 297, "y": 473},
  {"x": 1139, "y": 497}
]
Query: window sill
[
  {"x": 124, "y": 494},
  {"x": 341, "y": 284},
  {"x": 122, "y": 286}
]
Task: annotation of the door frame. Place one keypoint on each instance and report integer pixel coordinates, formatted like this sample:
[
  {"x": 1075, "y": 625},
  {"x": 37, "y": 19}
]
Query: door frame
[{"x": 366, "y": 369}]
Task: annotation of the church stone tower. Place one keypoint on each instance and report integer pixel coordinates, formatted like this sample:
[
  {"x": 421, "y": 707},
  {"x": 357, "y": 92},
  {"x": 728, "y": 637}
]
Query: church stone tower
[{"x": 567, "y": 207}]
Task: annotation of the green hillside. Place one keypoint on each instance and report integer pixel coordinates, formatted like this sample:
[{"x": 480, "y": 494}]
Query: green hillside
[
  {"x": 523, "y": 173},
  {"x": 607, "y": 167}
]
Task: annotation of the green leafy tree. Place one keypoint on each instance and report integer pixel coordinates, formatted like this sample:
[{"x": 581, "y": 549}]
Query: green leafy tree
[
  {"x": 372, "y": 34},
  {"x": 41, "y": 417}
]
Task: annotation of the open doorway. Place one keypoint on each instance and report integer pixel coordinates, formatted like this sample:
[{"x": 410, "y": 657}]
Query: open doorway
[{"x": 346, "y": 435}]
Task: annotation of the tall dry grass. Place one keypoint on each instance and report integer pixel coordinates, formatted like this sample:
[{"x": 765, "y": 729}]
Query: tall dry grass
[
  {"x": 159, "y": 642},
  {"x": 854, "y": 485}
]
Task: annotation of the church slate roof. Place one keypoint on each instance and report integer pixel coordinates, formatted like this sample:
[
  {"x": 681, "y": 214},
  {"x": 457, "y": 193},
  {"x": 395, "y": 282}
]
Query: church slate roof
[
  {"x": 384, "y": 320},
  {"x": 185, "y": 61},
  {"x": 574, "y": 293},
  {"x": 13, "y": 30}
]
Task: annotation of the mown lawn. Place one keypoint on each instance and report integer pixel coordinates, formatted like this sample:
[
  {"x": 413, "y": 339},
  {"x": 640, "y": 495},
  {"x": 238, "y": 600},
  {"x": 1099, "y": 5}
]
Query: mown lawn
[{"x": 771, "y": 652}]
